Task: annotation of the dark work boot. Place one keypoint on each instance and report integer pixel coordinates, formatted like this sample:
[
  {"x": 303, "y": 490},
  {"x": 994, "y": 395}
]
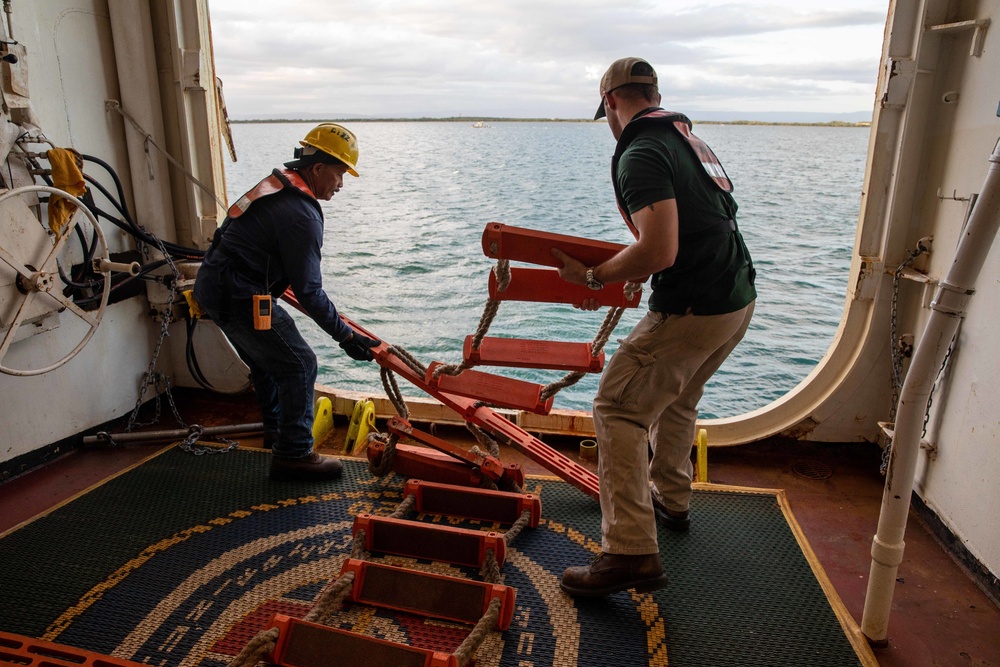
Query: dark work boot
[
  {"x": 312, "y": 468},
  {"x": 610, "y": 573},
  {"x": 677, "y": 521}
]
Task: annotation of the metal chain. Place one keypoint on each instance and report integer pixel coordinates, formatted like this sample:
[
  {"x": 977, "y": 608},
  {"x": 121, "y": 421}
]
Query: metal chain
[
  {"x": 150, "y": 378},
  {"x": 190, "y": 443},
  {"x": 896, "y": 351},
  {"x": 894, "y": 347},
  {"x": 930, "y": 399},
  {"x": 927, "y": 413},
  {"x": 161, "y": 382}
]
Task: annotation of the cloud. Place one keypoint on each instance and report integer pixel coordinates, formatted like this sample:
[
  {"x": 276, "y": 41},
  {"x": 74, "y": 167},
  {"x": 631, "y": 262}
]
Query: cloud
[{"x": 532, "y": 58}]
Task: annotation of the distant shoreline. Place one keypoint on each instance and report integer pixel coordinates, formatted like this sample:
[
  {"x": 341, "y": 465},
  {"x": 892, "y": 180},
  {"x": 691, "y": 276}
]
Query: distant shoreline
[{"x": 475, "y": 119}]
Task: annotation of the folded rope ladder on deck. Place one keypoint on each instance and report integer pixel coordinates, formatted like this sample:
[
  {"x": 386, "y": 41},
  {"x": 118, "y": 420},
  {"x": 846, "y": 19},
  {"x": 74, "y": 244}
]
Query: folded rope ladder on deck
[{"x": 489, "y": 605}]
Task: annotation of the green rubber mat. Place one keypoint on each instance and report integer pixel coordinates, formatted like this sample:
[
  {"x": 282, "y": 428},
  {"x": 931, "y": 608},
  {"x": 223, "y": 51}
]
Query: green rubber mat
[{"x": 182, "y": 559}]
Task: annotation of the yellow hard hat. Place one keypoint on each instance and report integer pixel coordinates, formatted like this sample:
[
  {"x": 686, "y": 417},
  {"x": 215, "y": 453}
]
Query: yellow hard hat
[{"x": 335, "y": 140}]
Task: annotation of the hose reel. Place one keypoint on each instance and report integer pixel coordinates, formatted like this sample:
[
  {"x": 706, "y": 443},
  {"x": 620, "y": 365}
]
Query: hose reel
[{"x": 29, "y": 266}]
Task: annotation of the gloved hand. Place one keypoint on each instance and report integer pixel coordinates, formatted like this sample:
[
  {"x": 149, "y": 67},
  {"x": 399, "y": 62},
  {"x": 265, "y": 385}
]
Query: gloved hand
[{"x": 359, "y": 347}]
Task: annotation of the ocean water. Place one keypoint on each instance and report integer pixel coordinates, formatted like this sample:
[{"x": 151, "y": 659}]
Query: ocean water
[{"x": 402, "y": 252}]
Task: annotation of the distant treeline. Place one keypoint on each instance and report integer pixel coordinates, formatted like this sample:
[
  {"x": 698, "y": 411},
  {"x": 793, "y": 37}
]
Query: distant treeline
[
  {"x": 478, "y": 119},
  {"x": 832, "y": 123}
]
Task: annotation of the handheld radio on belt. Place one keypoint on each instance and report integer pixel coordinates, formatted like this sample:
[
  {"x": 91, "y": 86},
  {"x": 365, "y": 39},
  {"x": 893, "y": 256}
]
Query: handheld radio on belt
[{"x": 261, "y": 312}]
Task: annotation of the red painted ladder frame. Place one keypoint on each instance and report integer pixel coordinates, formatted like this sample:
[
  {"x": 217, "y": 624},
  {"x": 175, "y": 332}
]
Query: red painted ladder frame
[
  {"x": 22, "y": 651},
  {"x": 482, "y": 416}
]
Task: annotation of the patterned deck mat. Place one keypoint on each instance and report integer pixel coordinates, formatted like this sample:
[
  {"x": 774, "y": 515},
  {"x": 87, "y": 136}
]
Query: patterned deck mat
[{"x": 182, "y": 559}]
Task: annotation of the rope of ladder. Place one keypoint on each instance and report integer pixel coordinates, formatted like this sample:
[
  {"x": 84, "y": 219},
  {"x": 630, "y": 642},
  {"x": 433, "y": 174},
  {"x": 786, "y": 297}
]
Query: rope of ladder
[{"x": 331, "y": 599}]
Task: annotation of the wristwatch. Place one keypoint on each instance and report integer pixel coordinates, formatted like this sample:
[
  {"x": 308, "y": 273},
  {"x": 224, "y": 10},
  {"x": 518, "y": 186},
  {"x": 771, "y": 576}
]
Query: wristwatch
[{"x": 592, "y": 282}]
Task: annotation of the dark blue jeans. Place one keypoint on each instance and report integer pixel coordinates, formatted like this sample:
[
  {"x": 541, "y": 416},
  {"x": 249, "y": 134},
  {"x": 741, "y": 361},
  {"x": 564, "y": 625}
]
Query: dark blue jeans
[{"x": 283, "y": 372}]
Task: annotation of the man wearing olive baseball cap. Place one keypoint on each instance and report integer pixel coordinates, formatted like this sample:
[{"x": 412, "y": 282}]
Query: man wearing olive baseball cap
[
  {"x": 675, "y": 198},
  {"x": 620, "y": 74}
]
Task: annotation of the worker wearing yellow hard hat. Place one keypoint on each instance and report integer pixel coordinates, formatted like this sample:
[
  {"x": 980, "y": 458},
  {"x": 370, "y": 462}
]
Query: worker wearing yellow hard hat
[
  {"x": 333, "y": 140},
  {"x": 271, "y": 240}
]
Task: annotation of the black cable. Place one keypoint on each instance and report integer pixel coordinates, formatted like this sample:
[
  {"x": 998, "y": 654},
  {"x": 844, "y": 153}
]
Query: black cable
[
  {"x": 78, "y": 229},
  {"x": 119, "y": 204},
  {"x": 88, "y": 201},
  {"x": 123, "y": 280},
  {"x": 178, "y": 252},
  {"x": 73, "y": 283},
  {"x": 114, "y": 177},
  {"x": 146, "y": 237},
  {"x": 114, "y": 202}
]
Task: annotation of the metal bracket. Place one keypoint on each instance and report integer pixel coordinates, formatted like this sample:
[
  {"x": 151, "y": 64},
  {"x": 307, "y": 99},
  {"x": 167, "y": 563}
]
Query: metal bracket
[
  {"x": 889, "y": 430},
  {"x": 978, "y": 37},
  {"x": 954, "y": 196}
]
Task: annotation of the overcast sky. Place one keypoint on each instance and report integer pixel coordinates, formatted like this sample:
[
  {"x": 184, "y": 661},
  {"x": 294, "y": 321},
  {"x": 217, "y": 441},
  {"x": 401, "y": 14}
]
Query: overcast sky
[{"x": 541, "y": 58}]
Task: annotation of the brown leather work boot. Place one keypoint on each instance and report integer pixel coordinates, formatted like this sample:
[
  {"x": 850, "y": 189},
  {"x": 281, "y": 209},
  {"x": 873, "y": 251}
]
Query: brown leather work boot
[
  {"x": 312, "y": 468},
  {"x": 610, "y": 573}
]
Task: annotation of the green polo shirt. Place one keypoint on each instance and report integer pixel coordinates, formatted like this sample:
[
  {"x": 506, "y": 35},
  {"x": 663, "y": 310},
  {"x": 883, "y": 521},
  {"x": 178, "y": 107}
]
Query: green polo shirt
[{"x": 713, "y": 273}]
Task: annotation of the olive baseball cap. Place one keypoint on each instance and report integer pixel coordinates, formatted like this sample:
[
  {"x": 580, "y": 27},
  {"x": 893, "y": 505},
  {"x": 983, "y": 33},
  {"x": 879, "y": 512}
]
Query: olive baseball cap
[{"x": 620, "y": 74}]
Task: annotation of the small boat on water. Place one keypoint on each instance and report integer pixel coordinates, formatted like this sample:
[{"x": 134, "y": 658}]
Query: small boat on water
[{"x": 96, "y": 334}]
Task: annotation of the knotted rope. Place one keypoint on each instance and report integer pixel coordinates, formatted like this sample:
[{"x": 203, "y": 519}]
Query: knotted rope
[
  {"x": 491, "y": 574},
  {"x": 603, "y": 334},
  {"x": 467, "y": 649},
  {"x": 404, "y": 507},
  {"x": 484, "y": 439},
  {"x": 395, "y": 396},
  {"x": 502, "y": 272},
  {"x": 519, "y": 525},
  {"x": 331, "y": 600},
  {"x": 256, "y": 649}
]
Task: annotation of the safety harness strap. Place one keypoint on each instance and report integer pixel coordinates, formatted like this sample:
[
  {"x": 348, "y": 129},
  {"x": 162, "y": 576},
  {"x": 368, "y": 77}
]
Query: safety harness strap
[{"x": 276, "y": 182}]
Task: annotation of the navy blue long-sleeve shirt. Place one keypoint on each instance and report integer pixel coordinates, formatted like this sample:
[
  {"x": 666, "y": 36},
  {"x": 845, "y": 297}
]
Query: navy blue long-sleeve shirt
[{"x": 277, "y": 242}]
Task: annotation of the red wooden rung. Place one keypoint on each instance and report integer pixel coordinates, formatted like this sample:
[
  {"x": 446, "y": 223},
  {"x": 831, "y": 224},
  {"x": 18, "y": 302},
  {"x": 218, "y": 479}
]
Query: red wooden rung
[
  {"x": 545, "y": 286},
  {"x": 426, "y": 594},
  {"x": 524, "y": 353},
  {"x": 495, "y": 389},
  {"x": 483, "y": 504},
  {"x": 423, "y": 463},
  {"x": 28, "y": 652},
  {"x": 304, "y": 644},
  {"x": 527, "y": 245},
  {"x": 431, "y": 541}
]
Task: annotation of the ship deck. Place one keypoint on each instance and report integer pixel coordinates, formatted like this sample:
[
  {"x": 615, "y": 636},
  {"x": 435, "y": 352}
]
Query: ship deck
[{"x": 940, "y": 617}]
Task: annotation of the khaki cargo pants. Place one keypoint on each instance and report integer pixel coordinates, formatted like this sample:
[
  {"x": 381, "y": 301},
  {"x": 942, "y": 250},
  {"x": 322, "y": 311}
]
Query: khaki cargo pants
[{"x": 649, "y": 393}]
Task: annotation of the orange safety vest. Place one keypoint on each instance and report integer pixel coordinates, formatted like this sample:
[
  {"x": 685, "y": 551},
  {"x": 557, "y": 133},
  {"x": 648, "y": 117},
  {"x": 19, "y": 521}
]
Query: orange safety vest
[
  {"x": 276, "y": 182},
  {"x": 709, "y": 162},
  {"x": 702, "y": 151}
]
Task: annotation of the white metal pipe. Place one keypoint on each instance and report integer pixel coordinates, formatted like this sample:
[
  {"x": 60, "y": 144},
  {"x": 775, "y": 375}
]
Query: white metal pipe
[
  {"x": 171, "y": 434},
  {"x": 131, "y": 268},
  {"x": 947, "y": 310}
]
